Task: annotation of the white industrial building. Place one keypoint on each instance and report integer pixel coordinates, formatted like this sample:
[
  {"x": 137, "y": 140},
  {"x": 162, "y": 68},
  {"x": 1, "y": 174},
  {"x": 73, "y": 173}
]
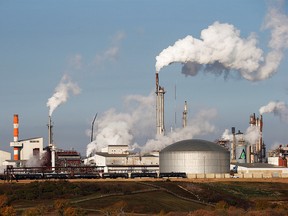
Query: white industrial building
[
  {"x": 118, "y": 158},
  {"x": 4, "y": 156},
  {"x": 27, "y": 149}
]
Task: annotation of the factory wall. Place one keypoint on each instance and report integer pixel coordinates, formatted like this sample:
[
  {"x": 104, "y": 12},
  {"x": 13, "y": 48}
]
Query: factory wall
[
  {"x": 31, "y": 148},
  {"x": 117, "y": 149},
  {"x": 4, "y": 156},
  {"x": 150, "y": 160}
]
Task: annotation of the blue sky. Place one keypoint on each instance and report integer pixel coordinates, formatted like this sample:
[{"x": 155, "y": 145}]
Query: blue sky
[{"x": 108, "y": 49}]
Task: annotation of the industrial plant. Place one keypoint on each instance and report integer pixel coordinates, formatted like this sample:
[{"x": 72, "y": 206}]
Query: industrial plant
[{"x": 235, "y": 156}]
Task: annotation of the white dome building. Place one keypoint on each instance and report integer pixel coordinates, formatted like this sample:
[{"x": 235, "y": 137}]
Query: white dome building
[{"x": 194, "y": 156}]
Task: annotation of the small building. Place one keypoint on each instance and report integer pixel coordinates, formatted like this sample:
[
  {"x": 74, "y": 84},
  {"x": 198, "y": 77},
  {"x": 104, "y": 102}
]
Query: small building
[
  {"x": 68, "y": 158},
  {"x": 260, "y": 170},
  {"x": 4, "y": 156},
  {"x": 27, "y": 149},
  {"x": 118, "y": 158}
]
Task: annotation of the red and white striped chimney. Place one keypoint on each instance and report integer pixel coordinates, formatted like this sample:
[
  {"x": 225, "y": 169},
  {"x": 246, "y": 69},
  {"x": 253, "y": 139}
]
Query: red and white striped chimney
[
  {"x": 16, "y": 125},
  {"x": 16, "y": 136}
]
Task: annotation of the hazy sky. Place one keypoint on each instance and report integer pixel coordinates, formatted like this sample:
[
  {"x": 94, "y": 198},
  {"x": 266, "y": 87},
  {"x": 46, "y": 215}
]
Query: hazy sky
[{"x": 104, "y": 53}]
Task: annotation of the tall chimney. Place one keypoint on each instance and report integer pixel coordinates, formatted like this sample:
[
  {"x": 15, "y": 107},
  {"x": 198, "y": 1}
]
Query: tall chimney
[
  {"x": 16, "y": 130},
  {"x": 157, "y": 83},
  {"x": 50, "y": 132},
  {"x": 16, "y": 137},
  {"x": 160, "y": 130},
  {"x": 185, "y": 115}
]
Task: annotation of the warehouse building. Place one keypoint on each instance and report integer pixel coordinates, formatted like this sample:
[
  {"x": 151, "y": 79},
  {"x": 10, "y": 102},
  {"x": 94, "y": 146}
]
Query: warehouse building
[{"x": 118, "y": 158}]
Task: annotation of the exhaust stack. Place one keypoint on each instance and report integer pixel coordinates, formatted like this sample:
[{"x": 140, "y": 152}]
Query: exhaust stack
[
  {"x": 16, "y": 126},
  {"x": 16, "y": 137},
  {"x": 50, "y": 132},
  {"x": 160, "y": 130},
  {"x": 185, "y": 115}
]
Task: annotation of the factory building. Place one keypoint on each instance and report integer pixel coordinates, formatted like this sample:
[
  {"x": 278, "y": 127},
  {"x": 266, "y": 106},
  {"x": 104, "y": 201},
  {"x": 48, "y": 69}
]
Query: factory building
[
  {"x": 278, "y": 156},
  {"x": 25, "y": 149},
  {"x": 28, "y": 148},
  {"x": 118, "y": 158},
  {"x": 4, "y": 156},
  {"x": 67, "y": 158},
  {"x": 194, "y": 156}
]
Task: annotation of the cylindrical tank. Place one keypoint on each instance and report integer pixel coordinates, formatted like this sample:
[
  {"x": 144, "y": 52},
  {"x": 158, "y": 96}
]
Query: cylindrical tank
[
  {"x": 194, "y": 156},
  {"x": 248, "y": 154},
  {"x": 241, "y": 154}
]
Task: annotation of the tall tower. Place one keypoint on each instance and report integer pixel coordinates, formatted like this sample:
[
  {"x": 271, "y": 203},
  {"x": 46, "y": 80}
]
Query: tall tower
[
  {"x": 16, "y": 137},
  {"x": 184, "y": 124},
  {"x": 257, "y": 148},
  {"x": 50, "y": 132},
  {"x": 160, "y": 129}
]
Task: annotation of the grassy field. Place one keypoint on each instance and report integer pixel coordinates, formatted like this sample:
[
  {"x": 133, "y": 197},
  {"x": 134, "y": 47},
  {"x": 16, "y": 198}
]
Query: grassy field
[{"x": 98, "y": 197}]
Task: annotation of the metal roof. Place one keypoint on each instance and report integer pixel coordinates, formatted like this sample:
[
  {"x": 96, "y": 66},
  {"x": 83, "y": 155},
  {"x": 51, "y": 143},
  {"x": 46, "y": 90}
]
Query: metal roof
[{"x": 194, "y": 145}]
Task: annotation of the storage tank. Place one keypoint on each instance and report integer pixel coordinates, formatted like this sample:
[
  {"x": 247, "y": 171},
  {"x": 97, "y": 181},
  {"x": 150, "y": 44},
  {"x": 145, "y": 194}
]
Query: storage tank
[
  {"x": 194, "y": 156},
  {"x": 241, "y": 154}
]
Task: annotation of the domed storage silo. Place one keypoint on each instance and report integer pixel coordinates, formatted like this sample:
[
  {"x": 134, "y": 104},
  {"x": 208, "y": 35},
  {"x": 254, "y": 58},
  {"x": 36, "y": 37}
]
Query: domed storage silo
[{"x": 194, "y": 156}]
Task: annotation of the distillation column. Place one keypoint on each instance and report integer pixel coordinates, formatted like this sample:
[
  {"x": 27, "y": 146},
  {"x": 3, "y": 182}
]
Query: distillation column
[
  {"x": 160, "y": 129},
  {"x": 184, "y": 124}
]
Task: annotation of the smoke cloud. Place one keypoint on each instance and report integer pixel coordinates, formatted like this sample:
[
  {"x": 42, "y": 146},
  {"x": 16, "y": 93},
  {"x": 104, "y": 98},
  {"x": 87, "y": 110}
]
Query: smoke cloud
[
  {"x": 226, "y": 135},
  {"x": 115, "y": 128},
  {"x": 199, "y": 125},
  {"x": 252, "y": 134},
  {"x": 112, "y": 52},
  {"x": 278, "y": 108},
  {"x": 220, "y": 49},
  {"x": 136, "y": 127},
  {"x": 61, "y": 93}
]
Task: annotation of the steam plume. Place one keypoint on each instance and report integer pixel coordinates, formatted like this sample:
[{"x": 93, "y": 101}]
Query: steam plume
[
  {"x": 278, "y": 108},
  {"x": 136, "y": 127},
  {"x": 114, "y": 128},
  {"x": 221, "y": 49},
  {"x": 199, "y": 125},
  {"x": 251, "y": 135},
  {"x": 62, "y": 93}
]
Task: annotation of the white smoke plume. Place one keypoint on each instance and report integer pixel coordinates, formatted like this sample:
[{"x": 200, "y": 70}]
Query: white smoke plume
[
  {"x": 226, "y": 135},
  {"x": 252, "y": 134},
  {"x": 136, "y": 127},
  {"x": 114, "y": 128},
  {"x": 112, "y": 52},
  {"x": 199, "y": 125},
  {"x": 61, "y": 93},
  {"x": 220, "y": 49},
  {"x": 278, "y": 108}
]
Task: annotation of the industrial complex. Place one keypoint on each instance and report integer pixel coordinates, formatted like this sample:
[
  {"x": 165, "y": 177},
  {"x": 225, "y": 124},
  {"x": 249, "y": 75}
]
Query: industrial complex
[{"x": 193, "y": 158}]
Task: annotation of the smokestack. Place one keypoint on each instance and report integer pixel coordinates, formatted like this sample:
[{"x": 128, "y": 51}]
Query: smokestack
[
  {"x": 252, "y": 119},
  {"x": 16, "y": 125},
  {"x": 261, "y": 123},
  {"x": 233, "y": 146},
  {"x": 159, "y": 107},
  {"x": 157, "y": 82},
  {"x": 50, "y": 133},
  {"x": 53, "y": 156},
  {"x": 185, "y": 115},
  {"x": 16, "y": 136}
]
